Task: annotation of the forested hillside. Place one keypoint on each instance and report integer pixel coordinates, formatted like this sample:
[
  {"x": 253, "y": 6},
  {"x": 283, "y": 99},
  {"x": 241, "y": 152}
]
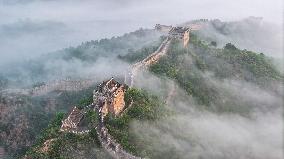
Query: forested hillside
[
  {"x": 221, "y": 86},
  {"x": 76, "y": 62},
  {"x": 213, "y": 79},
  {"x": 189, "y": 67},
  {"x": 219, "y": 90},
  {"x": 23, "y": 117}
]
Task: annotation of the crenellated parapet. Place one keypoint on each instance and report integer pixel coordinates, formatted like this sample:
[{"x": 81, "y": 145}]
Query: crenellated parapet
[
  {"x": 72, "y": 121},
  {"x": 179, "y": 32},
  {"x": 109, "y": 97},
  {"x": 62, "y": 85},
  {"x": 163, "y": 28}
]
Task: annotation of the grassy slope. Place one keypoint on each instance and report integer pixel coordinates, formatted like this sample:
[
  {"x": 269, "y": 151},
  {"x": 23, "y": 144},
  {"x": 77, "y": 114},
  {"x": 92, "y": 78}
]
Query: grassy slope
[
  {"x": 138, "y": 55},
  {"x": 36, "y": 110},
  {"x": 189, "y": 66},
  {"x": 68, "y": 145},
  {"x": 145, "y": 108}
]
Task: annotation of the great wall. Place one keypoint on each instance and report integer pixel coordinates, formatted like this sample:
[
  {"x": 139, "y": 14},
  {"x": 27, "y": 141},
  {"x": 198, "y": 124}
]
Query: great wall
[
  {"x": 56, "y": 85},
  {"x": 109, "y": 96},
  {"x": 179, "y": 32},
  {"x": 151, "y": 59},
  {"x": 106, "y": 102}
]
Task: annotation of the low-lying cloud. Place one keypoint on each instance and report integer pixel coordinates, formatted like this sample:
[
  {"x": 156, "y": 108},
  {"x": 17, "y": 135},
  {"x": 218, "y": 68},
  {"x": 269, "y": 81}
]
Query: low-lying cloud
[
  {"x": 196, "y": 131},
  {"x": 67, "y": 23},
  {"x": 251, "y": 33},
  {"x": 26, "y": 39}
]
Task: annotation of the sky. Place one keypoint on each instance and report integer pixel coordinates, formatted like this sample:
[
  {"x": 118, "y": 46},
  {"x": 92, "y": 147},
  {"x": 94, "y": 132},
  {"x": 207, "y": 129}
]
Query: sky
[{"x": 29, "y": 28}]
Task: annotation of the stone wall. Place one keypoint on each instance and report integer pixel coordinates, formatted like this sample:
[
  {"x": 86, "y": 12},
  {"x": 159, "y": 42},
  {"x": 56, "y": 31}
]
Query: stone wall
[
  {"x": 149, "y": 60},
  {"x": 163, "y": 28},
  {"x": 118, "y": 100},
  {"x": 62, "y": 85},
  {"x": 109, "y": 143},
  {"x": 186, "y": 38},
  {"x": 110, "y": 97},
  {"x": 73, "y": 120}
]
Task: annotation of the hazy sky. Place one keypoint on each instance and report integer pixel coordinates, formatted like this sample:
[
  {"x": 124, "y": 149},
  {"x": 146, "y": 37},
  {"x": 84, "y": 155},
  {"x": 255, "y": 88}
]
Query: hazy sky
[{"x": 32, "y": 27}]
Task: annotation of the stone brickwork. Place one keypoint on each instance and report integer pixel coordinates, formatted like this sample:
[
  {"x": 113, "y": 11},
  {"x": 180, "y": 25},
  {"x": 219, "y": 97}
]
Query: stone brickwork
[
  {"x": 110, "y": 95},
  {"x": 46, "y": 145},
  {"x": 178, "y": 32},
  {"x": 186, "y": 38},
  {"x": 62, "y": 85},
  {"x": 73, "y": 120},
  {"x": 57, "y": 85},
  {"x": 149, "y": 60},
  {"x": 163, "y": 28},
  {"x": 109, "y": 98}
]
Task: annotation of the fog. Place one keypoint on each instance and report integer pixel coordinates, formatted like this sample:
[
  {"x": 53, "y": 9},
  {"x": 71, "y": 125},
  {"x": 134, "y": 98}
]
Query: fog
[
  {"x": 250, "y": 33},
  {"x": 197, "y": 131},
  {"x": 243, "y": 119},
  {"x": 32, "y": 27},
  {"x": 94, "y": 59}
]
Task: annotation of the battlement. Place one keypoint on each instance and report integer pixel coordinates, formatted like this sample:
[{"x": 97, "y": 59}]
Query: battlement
[
  {"x": 73, "y": 120},
  {"x": 178, "y": 32},
  {"x": 163, "y": 28},
  {"x": 109, "y": 96}
]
